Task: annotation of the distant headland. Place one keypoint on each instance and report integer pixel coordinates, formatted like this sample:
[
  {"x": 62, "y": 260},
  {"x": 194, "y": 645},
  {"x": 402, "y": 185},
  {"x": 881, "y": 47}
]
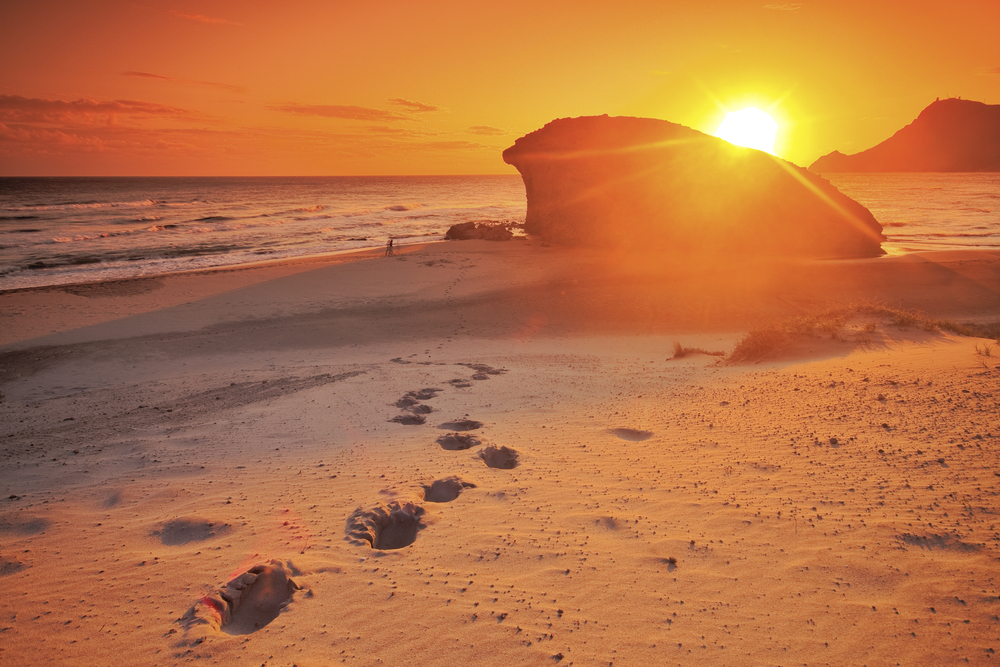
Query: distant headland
[
  {"x": 629, "y": 184},
  {"x": 949, "y": 135}
]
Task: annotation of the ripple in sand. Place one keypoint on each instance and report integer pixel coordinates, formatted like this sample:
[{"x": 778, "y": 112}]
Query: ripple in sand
[
  {"x": 445, "y": 490},
  {"x": 183, "y": 531},
  {"x": 456, "y": 441},
  {"x": 391, "y": 526},
  {"x": 503, "y": 458},
  {"x": 631, "y": 434},
  {"x": 461, "y": 425},
  {"x": 247, "y": 603}
]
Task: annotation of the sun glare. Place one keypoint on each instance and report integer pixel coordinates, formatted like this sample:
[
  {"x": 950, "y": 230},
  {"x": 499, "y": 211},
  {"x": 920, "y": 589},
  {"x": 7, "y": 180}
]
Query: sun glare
[{"x": 749, "y": 127}]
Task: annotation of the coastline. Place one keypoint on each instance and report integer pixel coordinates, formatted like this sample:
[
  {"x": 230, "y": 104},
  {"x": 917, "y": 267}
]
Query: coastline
[
  {"x": 953, "y": 284},
  {"x": 831, "y": 504}
]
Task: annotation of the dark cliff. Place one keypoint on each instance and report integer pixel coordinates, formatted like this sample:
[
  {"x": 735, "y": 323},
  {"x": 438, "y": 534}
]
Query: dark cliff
[
  {"x": 949, "y": 135},
  {"x": 646, "y": 184}
]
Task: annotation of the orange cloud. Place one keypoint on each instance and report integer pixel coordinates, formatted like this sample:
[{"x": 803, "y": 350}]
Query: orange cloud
[
  {"x": 202, "y": 19},
  {"x": 451, "y": 145},
  {"x": 413, "y": 106},
  {"x": 345, "y": 112},
  {"x": 487, "y": 131},
  {"x": 224, "y": 86},
  {"x": 785, "y": 6},
  {"x": 14, "y": 108}
]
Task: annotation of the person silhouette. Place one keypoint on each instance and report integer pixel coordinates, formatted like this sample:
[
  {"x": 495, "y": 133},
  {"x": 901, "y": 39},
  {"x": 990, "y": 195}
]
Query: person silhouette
[{"x": 388, "y": 248}]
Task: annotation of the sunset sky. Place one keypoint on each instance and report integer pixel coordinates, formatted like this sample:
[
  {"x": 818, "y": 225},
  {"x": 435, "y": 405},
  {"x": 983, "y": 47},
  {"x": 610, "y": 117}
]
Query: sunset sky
[{"x": 310, "y": 87}]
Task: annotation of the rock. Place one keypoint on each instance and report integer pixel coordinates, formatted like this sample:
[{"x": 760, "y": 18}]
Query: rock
[
  {"x": 488, "y": 231},
  {"x": 949, "y": 135},
  {"x": 641, "y": 183}
]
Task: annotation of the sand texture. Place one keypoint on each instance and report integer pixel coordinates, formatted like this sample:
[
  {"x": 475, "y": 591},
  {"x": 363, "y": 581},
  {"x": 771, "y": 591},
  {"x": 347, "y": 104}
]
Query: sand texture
[{"x": 484, "y": 453}]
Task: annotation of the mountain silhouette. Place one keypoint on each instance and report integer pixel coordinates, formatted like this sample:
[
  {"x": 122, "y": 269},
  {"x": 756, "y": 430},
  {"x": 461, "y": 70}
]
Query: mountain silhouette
[{"x": 949, "y": 135}]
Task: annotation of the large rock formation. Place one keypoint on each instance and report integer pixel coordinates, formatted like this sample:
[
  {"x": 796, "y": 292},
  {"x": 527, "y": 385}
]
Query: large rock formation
[
  {"x": 646, "y": 184},
  {"x": 949, "y": 135}
]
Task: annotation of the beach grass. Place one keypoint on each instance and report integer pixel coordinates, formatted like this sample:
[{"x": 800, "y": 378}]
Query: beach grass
[
  {"x": 771, "y": 339},
  {"x": 680, "y": 351}
]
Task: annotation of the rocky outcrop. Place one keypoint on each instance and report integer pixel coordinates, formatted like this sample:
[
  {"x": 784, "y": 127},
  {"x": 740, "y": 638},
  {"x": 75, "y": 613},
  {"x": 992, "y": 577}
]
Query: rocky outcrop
[
  {"x": 646, "y": 184},
  {"x": 949, "y": 135},
  {"x": 487, "y": 231}
]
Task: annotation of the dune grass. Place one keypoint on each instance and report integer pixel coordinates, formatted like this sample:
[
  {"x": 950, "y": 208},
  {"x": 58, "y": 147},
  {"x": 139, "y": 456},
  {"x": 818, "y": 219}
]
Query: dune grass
[
  {"x": 680, "y": 351},
  {"x": 770, "y": 340}
]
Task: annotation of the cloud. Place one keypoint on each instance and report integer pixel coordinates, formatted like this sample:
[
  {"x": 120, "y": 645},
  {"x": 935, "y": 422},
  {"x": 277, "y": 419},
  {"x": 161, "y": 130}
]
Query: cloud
[
  {"x": 14, "y": 108},
  {"x": 487, "y": 130},
  {"x": 451, "y": 145},
  {"x": 345, "y": 112},
  {"x": 785, "y": 6},
  {"x": 224, "y": 86},
  {"x": 202, "y": 19},
  {"x": 413, "y": 106},
  {"x": 995, "y": 70}
]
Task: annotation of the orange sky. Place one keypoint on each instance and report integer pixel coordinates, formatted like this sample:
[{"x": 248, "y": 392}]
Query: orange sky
[{"x": 301, "y": 87}]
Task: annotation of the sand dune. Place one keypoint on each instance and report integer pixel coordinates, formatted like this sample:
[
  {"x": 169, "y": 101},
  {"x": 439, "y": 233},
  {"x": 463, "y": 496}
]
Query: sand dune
[{"x": 216, "y": 477}]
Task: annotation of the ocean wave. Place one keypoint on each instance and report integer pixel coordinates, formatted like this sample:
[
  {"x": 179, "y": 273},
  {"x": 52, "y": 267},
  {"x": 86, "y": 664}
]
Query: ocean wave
[
  {"x": 305, "y": 218},
  {"x": 309, "y": 209},
  {"x": 20, "y": 231},
  {"x": 952, "y": 235},
  {"x": 214, "y": 218},
  {"x": 19, "y": 217},
  {"x": 64, "y": 206}
]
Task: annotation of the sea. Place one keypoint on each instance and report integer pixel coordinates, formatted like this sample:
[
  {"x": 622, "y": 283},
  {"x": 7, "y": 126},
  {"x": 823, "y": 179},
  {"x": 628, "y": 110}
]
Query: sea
[{"x": 71, "y": 230}]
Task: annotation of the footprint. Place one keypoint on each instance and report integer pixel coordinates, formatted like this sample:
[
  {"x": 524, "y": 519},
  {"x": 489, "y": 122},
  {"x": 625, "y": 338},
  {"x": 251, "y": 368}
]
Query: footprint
[
  {"x": 24, "y": 526},
  {"x": 459, "y": 383},
  {"x": 421, "y": 409},
  {"x": 456, "y": 441},
  {"x": 608, "y": 522},
  {"x": 248, "y": 602},
  {"x": 504, "y": 458},
  {"x": 414, "y": 397},
  {"x": 425, "y": 394},
  {"x": 445, "y": 490},
  {"x": 182, "y": 531},
  {"x": 483, "y": 370},
  {"x": 631, "y": 434},
  {"x": 391, "y": 526},
  {"x": 409, "y": 420},
  {"x": 461, "y": 425},
  {"x": 12, "y": 566}
]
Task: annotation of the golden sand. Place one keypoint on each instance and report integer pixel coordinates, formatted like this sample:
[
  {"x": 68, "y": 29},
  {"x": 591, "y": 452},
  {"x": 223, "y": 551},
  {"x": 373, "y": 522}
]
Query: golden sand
[{"x": 202, "y": 468}]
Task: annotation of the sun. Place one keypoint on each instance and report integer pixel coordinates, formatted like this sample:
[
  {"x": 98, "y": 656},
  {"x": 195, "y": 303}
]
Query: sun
[{"x": 749, "y": 127}]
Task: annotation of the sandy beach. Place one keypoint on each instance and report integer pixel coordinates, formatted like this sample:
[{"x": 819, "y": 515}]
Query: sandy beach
[{"x": 835, "y": 504}]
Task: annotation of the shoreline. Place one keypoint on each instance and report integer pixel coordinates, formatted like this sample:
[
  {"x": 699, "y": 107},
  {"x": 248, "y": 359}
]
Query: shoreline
[{"x": 242, "y": 266}]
